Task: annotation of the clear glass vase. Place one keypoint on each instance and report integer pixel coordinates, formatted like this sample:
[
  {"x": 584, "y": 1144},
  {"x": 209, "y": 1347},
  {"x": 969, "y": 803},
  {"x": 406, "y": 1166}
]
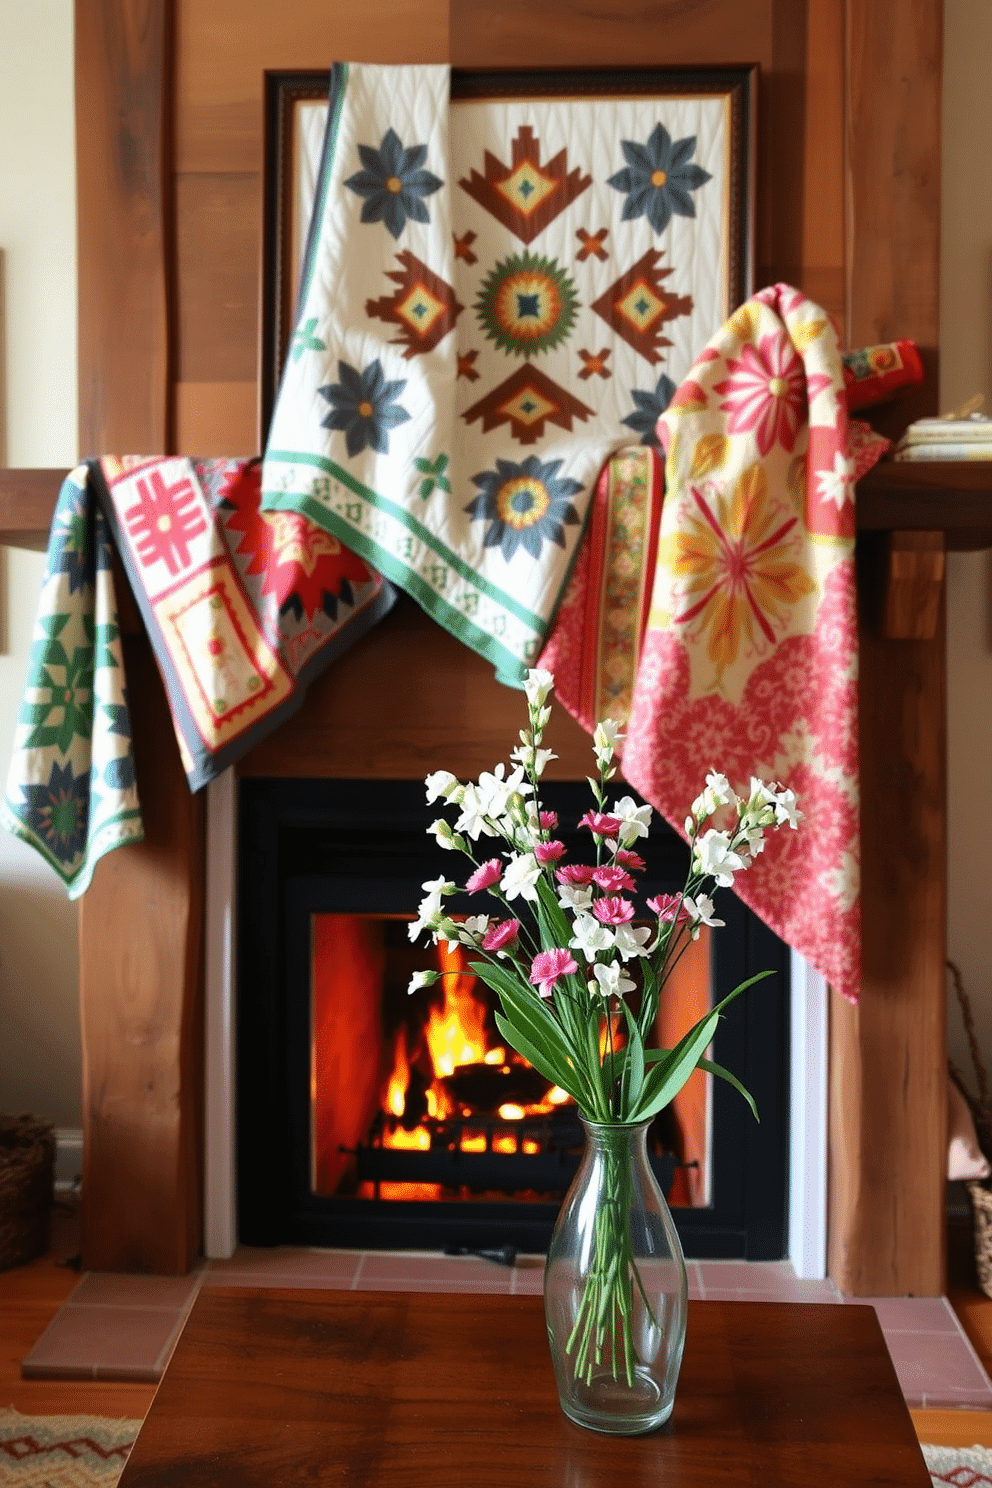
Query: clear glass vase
[{"x": 615, "y": 1295}]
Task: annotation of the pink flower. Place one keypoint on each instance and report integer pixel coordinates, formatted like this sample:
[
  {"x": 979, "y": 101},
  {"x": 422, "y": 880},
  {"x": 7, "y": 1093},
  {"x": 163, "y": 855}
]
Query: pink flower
[
  {"x": 500, "y": 935},
  {"x": 549, "y": 820},
  {"x": 575, "y": 873},
  {"x": 548, "y": 966},
  {"x": 613, "y": 879},
  {"x": 669, "y": 907},
  {"x": 766, "y": 392},
  {"x": 600, "y": 824},
  {"x": 613, "y": 911},
  {"x": 631, "y": 860},
  {"x": 548, "y": 852},
  {"x": 485, "y": 875}
]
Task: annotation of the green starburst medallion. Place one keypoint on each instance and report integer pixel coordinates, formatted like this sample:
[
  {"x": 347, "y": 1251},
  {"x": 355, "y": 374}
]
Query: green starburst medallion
[{"x": 527, "y": 304}]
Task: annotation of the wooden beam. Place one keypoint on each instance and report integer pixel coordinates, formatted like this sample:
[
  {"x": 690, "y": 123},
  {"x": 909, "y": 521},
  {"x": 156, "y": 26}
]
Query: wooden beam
[{"x": 27, "y": 501}]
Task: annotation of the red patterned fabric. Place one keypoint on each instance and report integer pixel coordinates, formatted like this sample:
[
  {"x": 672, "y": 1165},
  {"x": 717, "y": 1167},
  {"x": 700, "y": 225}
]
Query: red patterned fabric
[
  {"x": 746, "y": 659},
  {"x": 243, "y": 607}
]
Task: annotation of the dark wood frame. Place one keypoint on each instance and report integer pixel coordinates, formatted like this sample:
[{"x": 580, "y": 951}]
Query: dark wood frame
[{"x": 285, "y": 91}]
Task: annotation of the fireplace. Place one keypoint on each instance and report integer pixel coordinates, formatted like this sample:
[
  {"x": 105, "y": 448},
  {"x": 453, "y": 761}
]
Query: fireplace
[{"x": 370, "y": 1118}]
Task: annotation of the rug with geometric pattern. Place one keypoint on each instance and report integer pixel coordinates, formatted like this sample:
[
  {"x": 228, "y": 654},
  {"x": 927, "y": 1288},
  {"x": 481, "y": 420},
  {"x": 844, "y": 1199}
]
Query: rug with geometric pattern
[{"x": 63, "y": 1451}]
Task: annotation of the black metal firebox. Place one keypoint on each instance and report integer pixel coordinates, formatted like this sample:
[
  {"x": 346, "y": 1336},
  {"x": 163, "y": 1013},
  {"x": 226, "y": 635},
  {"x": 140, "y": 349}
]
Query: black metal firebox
[{"x": 329, "y": 847}]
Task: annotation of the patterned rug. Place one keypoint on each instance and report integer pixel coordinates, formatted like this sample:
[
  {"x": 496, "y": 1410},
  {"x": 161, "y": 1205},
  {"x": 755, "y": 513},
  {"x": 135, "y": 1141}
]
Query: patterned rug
[
  {"x": 965, "y": 1467},
  {"x": 63, "y": 1451}
]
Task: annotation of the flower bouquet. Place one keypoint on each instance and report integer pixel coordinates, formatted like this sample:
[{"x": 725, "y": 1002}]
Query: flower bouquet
[{"x": 579, "y": 976}]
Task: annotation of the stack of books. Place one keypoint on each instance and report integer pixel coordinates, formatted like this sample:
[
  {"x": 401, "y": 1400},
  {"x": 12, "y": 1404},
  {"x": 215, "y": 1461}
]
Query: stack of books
[{"x": 968, "y": 438}]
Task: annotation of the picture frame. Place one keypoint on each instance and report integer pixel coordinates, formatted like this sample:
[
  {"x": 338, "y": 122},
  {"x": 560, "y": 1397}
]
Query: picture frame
[{"x": 294, "y": 103}]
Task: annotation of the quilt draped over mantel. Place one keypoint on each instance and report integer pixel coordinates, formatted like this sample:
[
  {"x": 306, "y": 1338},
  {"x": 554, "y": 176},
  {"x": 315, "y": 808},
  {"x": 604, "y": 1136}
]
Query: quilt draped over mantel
[{"x": 470, "y": 411}]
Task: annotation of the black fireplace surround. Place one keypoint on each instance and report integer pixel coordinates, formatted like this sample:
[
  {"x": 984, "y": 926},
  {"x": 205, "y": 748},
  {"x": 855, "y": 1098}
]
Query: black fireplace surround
[{"x": 308, "y": 847}]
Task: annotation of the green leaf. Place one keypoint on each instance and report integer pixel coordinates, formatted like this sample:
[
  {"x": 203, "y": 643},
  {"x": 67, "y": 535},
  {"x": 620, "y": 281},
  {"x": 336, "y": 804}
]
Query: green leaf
[
  {"x": 667, "y": 1077},
  {"x": 742, "y": 987},
  {"x": 565, "y": 1077},
  {"x": 532, "y": 1017},
  {"x": 634, "y": 1072},
  {"x": 555, "y": 926},
  {"x": 724, "y": 1074}
]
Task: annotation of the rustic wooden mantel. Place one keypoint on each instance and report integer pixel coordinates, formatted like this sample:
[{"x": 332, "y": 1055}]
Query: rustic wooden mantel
[{"x": 168, "y": 190}]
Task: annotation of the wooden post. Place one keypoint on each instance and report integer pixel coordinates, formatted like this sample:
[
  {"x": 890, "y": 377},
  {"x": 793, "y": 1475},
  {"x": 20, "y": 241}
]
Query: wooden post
[
  {"x": 888, "y": 1057},
  {"x": 140, "y": 925}
]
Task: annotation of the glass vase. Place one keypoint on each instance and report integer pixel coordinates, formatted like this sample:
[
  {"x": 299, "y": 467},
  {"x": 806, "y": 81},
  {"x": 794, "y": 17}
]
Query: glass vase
[{"x": 615, "y": 1296}]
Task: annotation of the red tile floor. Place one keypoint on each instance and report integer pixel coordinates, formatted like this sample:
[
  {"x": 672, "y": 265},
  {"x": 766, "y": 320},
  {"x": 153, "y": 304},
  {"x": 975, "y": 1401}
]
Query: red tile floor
[{"x": 124, "y": 1327}]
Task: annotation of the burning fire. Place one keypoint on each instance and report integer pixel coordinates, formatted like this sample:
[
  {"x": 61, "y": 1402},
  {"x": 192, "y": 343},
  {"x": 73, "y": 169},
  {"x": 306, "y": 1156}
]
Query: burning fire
[{"x": 455, "y": 1036}]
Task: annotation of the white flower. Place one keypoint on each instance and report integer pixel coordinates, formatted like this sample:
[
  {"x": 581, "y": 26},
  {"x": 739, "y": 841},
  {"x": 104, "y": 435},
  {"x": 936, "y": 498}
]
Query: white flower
[
  {"x": 786, "y": 809},
  {"x": 520, "y": 876},
  {"x": 494, "y": 791},
  {"x": 537, "y": 684},
  {"x": 473, "y": 818},
  {"x": 605, "y": 739},
  {"x": 446, "y": 838},
  {"x": 631, "y": 941},
  {"x": 837, "y": 485},
  {"x": 634, "y": 819},
  {"x": 717, "y": 793},
  {"x": 442, "y": 783},
  {"x": 701, "y": 910},
  {"x": 532, "y": 759},
  {"x": 612, "y": 982},
  {"x": 714, "y": 855},
  {"x": 590, "y": 936},
  {"x": 471, "y": 931},
  {"x": 422, "y": 979},
  {"x": 430, "y": 908},
  {"x": 575, "y": 896}
]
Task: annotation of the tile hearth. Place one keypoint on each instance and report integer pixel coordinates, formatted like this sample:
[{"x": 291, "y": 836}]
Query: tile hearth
[{"x": 125, "y": 1327}]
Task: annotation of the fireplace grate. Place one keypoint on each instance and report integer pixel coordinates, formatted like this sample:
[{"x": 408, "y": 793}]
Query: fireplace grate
[{"x": 483, "y": 1153}]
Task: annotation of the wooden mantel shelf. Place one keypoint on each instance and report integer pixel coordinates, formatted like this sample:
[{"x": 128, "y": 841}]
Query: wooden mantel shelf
[{"x": 949, "y": 496}]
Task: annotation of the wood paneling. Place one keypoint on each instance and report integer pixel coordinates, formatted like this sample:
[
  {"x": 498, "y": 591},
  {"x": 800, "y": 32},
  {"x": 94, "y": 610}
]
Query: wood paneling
[
  {"x": 216, "y": 417},
  {"x": 123, "y": 94},
  {"x": 406, "y": 699},
  {"x": 218, "y": 245}
]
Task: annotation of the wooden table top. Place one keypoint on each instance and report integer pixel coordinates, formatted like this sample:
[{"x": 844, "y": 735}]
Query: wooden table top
[{"x": 456, "y": 1391}]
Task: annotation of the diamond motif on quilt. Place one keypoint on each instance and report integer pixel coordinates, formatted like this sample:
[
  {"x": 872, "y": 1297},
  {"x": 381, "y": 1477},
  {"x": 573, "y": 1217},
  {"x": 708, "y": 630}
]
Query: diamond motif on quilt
[
  {"x": 526, "y": 188},
  {"x": 423, "y": 308},
  {"x": 637, "y": 306},
  {"x": 420, "y": 310},
  {"x": 526, "y": 195},
  {"x": 527, "y": 401}
]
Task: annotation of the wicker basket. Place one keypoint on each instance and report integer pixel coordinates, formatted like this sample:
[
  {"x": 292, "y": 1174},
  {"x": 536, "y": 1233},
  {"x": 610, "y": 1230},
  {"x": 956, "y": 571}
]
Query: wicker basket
[
  {"x": 27, "y": 1183},
  {"x": 981, "y": 1222}
]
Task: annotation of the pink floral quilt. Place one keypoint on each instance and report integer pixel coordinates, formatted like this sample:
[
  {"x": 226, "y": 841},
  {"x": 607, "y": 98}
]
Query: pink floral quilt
[{"x": 730, "y": 643}]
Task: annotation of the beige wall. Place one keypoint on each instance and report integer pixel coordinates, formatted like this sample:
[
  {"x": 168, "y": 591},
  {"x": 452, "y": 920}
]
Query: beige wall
[
  {"x": 39, "y": 1019},
  {"x": 39, "y": 1026},
  {"x": 966, "y": 368}
]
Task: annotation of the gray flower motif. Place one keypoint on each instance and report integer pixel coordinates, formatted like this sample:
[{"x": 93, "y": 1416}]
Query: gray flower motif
[
  {"x": 525, "y": 505},
  {"x": 393, "y": 183},
  {"x": 649, "y": 408},
  {"x": 658, "y": 178},
  {"x": 59, "y": 812},
  {"x": 363, "y": 405}
]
